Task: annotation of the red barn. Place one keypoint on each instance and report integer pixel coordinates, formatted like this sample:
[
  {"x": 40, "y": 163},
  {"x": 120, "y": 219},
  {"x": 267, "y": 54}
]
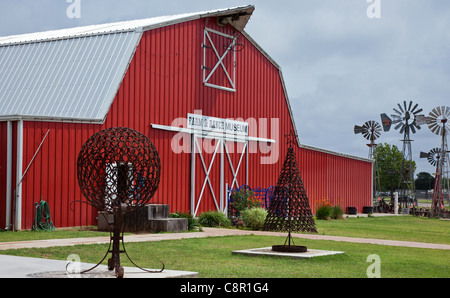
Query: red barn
[{"x": 209, "y": 97}]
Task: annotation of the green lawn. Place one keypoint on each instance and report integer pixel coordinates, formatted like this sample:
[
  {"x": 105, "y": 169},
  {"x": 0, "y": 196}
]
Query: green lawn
[
  {"x": 405, "y": 228},
  {"x": 212, "y": 257},
  {"x": 56, "y": 234}
]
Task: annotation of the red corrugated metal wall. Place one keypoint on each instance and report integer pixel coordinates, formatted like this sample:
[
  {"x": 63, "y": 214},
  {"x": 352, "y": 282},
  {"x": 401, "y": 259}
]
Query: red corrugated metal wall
[
  {"x": 163, "y": 83},
  {"x": 335, "y": 179},
  {"x": 53, "y": 176}
]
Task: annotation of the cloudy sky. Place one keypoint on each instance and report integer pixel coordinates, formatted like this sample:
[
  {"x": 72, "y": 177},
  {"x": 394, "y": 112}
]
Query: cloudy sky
[{"x": 342, "y": 65}]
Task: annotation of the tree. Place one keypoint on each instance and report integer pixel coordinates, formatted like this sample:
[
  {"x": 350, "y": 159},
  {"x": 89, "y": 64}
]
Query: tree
[
  {"x": 389, "y": 162},
  {"x": 424, "y": 181}
]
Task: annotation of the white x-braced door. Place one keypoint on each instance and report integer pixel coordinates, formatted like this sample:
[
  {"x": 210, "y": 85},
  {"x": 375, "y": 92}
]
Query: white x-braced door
[{"x": 216, "y": 162}]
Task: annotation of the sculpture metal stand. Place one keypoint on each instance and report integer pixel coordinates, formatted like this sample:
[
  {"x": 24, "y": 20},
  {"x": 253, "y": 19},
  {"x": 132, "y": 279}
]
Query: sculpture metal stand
[
  {"x": 118, "y": 171},
  {"x": 289, "y": 209}
]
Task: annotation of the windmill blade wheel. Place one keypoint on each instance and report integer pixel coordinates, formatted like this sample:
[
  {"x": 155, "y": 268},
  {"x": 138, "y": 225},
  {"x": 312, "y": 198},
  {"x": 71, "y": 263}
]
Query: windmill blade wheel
[
  {"x": 439, "y": 122},
  {"x": 371, "y": 130}
]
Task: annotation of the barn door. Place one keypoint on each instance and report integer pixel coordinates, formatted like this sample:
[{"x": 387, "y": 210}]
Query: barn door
[
  {"x": 237, "y": 157},
  {"x": 205, "y": 174},
  {"x": 215, "y": 162}
]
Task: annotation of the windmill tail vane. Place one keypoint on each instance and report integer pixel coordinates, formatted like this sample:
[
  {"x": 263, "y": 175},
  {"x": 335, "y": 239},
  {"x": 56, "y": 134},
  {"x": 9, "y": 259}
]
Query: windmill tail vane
[{"x": 386, "y": 121}]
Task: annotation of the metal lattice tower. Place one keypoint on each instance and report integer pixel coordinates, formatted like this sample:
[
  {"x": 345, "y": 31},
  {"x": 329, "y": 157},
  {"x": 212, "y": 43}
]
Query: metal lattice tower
[
  {"x": 438, "y": 122},
  {"x": 371, "y": 130},
  {"x": 404, "y": 120}
]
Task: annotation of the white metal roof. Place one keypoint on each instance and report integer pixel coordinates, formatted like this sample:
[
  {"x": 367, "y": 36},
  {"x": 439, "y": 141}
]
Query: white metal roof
[
  {"x": 133, "y": 25},
  {"x": 72, "y": 79},
  {"x": 74, "y": 74}
]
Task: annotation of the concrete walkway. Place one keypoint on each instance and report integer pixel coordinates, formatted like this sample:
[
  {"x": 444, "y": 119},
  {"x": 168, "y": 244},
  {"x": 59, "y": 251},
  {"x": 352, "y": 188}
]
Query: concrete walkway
[{"x": 210, "y": 232}]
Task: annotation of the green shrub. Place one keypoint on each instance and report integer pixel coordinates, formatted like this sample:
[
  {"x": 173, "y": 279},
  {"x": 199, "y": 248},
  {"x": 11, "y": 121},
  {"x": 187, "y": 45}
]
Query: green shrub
[
  {"x": 254, "y": 218},
  {"x": 214, "y": 219},
  {"x": 324, "y": 212},
  {"x": 337, "y": 212},
  {"x": 193, "y": 224},
  {"x": 328, "y": 212}
]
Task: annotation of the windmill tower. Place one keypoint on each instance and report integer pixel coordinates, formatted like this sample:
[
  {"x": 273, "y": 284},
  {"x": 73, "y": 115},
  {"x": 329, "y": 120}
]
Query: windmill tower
[
  {"x": 404, "y": 120},
  {"x": 371, "y": 130},
  {"x": 439, "y": 124}
]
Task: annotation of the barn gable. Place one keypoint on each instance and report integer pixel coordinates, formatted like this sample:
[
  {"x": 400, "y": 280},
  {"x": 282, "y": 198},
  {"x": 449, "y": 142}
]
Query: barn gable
[{"x": 38, "y": 70}]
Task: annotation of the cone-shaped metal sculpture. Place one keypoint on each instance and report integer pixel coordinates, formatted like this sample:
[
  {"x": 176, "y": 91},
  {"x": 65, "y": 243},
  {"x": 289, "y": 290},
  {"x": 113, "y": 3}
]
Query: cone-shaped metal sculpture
[{"x": 289, "y": 209}]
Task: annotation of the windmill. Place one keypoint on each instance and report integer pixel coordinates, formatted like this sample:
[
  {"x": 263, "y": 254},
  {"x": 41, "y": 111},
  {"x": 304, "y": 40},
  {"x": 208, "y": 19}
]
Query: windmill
[
  {"x": 433, "y": 156},
  {"x": 438, "y": 123},
  {"x": 371, "y": 130},
  {"x": 404, "y": 120}
]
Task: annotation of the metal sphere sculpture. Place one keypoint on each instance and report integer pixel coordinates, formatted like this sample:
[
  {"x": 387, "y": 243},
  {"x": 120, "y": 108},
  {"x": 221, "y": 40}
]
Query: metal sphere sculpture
[
  {"x": 118, "y": 168},
  {"x": 118, "y": 171}
]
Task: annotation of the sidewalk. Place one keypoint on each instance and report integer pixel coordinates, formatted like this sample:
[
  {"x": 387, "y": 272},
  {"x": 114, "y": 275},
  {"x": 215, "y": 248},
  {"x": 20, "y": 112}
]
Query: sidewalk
[{"x": 211, "y": 232}]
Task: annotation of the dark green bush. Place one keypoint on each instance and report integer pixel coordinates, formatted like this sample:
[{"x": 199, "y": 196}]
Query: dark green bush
[
  {"x": 214, "y": 219},
  {"x": 328, "y": 212},
  {"x": 337, "y": 212},
  {"x": 324, "y": 212}
]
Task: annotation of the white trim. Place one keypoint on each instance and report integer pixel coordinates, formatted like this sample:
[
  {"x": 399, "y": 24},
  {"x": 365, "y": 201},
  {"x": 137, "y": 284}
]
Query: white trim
[
  {"x": 212, "y": 135},
  {"x": 51, "y": 119},
  {"x": 222, "y": 168},
  {"x": 336, "y": 153},
  {"x": 9, "y": 174},
  {"x": 19, "y": 170},
  {"x": 220, "y": 87},
  {"x": 219, "y": 33},
  {"x": 192, "y": 174}
]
